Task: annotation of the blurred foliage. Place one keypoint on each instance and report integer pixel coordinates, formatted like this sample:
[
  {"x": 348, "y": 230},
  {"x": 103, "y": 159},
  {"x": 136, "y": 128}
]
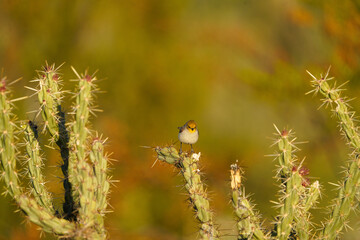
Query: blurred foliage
[{"x": 236, "y": 67}]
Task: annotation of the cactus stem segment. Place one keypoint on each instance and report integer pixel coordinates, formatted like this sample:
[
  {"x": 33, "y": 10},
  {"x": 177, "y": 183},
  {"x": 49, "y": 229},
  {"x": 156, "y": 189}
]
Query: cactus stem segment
[{"x": 189, "y": 168}]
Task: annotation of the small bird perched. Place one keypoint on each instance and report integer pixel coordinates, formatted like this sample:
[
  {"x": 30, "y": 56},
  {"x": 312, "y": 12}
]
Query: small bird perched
[{"x": 188, "y": 134}]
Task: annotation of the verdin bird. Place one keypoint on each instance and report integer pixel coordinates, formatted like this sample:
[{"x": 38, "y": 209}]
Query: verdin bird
[{"x": 188, "y": 134}]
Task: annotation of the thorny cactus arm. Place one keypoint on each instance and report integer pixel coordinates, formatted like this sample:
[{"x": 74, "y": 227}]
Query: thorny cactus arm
[
  {"x": 35, "y": 163},
  {"x": 45, "y": 219},
  {"x": 7, "y": 147},
  {"x": 248, "y": 223},
  {"x": 350, "y": 185},
  {"x": 290, "y": 186},
  {"x": 100, "y": 162},
  {"x": 296, "y": 196},
  {"x": 84, "y": 178},
  {"x": 189, "y": 168},
  {"x": 49, "y": 95}
]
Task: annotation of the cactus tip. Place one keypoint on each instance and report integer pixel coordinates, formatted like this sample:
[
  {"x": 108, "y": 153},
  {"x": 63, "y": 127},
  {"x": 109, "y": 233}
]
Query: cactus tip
[
  {"x": 284, "y": 133},
  {"x": 3, "y": 85},
  {"x": 87, "y": 78}
]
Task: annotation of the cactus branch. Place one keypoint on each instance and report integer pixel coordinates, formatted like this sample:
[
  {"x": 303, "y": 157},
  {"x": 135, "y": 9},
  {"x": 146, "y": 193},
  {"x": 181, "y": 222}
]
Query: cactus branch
[
  {"x": 49, "y": 95},
  {"x": 34, "y": 161},
  {"x": 99, "y": 162},
  {"x": 248, "y": 223},
  {"x": 7, "y": 148},
  {"x": 82, "y": 174},
  {"x": 348, "y": 189},
  {"x": 189, "y": 168},
  {"x": 290, "y": 183},
  {"x": 46, "y": 219}
]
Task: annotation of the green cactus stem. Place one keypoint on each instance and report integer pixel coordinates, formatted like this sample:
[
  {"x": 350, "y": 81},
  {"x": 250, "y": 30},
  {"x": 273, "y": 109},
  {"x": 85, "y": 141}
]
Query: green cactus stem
[
  {"x": 248, "y": 223},
  {"x": 46, "y": 219},
  {"x": 100, "y": 162},
  {"x": 7, "y": 147},
  {"x": 290, "y": 186},
  {"x": 35, "y": 163},
  {"x": 82, "y": 174},
  {"x": 49, "y": 96},
  {"x": 188, "y": 166},
  {"x": 349, "y": 187}
]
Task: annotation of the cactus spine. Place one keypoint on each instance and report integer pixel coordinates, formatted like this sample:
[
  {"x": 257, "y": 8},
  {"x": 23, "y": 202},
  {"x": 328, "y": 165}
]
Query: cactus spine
[{"x": 86, "y": 182}]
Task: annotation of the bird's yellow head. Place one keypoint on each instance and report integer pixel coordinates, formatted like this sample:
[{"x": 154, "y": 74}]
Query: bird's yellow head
[{"x": 191, "y": 126}]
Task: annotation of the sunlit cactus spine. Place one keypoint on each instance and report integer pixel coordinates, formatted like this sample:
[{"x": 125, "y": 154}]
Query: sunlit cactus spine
[{"x": 85, "y": 164}]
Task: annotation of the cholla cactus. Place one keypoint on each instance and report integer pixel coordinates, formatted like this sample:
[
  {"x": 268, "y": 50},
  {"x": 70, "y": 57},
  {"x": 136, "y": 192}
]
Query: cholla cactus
[
  {"x": 189, "y": 168},
  {"x": 297, "y": 194},
  {"x": 84, "y": 167},
  {"x": 349, "y": 186}
]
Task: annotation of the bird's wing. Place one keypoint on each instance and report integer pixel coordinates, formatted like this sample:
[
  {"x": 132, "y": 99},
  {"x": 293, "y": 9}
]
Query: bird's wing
[{"x": 181, "y": 129}]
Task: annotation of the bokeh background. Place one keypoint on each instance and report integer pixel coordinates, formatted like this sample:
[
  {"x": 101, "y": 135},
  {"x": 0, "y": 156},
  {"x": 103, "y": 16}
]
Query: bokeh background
[{"x": 236, "y": 67}]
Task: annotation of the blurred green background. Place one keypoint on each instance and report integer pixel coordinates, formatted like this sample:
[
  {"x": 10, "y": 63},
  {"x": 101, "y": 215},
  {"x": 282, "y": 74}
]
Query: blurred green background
[{"x": 236, "y": 67}]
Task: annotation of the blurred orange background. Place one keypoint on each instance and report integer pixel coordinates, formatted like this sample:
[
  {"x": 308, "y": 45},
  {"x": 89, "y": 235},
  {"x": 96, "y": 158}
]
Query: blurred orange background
[{"x": 236, "y": 67}]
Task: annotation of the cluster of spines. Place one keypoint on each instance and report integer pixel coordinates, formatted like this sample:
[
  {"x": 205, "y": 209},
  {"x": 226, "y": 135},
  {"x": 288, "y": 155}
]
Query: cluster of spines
[
  {"x": 85, "y": 163},
  {"x": 189, "y": 168},
  {"x": 349, "y": 187}
]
